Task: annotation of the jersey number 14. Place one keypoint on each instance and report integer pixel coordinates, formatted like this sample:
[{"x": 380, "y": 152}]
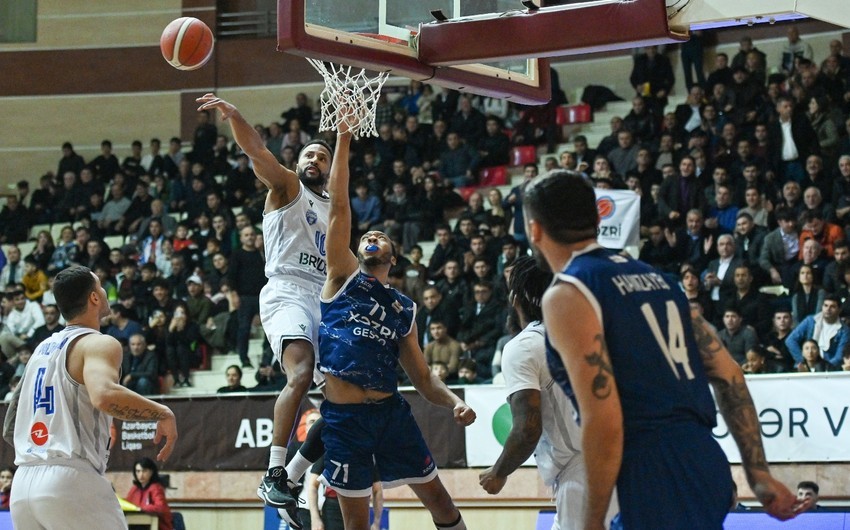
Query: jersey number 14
[{"x": 674, "y": 347}]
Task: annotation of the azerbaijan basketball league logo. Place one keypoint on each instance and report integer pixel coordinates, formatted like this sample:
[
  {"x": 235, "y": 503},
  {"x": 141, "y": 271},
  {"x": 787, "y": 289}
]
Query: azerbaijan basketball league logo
[{"x": 606, "y": 207}]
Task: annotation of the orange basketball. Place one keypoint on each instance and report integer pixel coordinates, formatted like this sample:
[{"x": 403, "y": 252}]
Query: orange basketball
[{"x": 186, "y": 43}]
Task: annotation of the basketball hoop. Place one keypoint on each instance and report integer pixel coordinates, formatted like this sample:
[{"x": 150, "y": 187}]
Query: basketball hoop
[{"x": 349, "y": 97}]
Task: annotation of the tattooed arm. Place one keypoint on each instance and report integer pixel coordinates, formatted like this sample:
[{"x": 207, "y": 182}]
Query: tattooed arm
[
  {"x": 740, "y": 415},
  {"x": 526, "y": 429},
  {"x": 576, "y": 333},
  {"x": 95, "y": 361}
]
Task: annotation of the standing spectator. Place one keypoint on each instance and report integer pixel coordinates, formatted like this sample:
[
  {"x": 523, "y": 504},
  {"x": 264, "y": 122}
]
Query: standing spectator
[
  {"x": 204, "y": 139},
  {"x": 514, "y": 201},
  {"x": 14, "y": 220},
  {"x": 140, "y": 368},
  {"x": 827, "y": 330},
  {"x": 247, "y": 277},
  {"x": 153, "y": 163},
  {"x": 181, "y": 345},
  {"x": 745, "y": 47},
  {"x": 106, "y": 164},
  {"x": 722, "y": 74},
  {"x": 301, "y": 111},
  {"x": 468, "y": 122},
  {"x": 494, "y": 146},
  {"x": 652, "y": 76},
  {"x": 682, "y": 192},
  {"x": 791, "y": 140},
  {"x": 691, "y": 53},
  {"x": 480, "y": 327},
  {"x": 792, "y": 49},
  {"x": 70, "y": 161}
]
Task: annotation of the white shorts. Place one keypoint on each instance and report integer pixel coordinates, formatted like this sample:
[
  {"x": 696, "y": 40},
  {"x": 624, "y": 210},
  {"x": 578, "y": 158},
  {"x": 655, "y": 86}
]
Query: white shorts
[
  {"x": 569, "y": 497},
  {"x": 290, "y": 311},
  {"x": 55, "y": 496}
]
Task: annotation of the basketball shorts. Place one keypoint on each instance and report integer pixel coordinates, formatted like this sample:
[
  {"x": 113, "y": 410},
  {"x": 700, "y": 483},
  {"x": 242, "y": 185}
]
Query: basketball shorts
[
  {"x": 362, "y": 437},
  {"x": 290, "y": 311},
  {"x": 678, "y": 478},
  {"x": 67, "y": 497}
]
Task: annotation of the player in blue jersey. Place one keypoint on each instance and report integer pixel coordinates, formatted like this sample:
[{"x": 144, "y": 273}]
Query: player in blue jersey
[
  {"x": 639, "y": 365},
  {"x": 367, "y": 330}
]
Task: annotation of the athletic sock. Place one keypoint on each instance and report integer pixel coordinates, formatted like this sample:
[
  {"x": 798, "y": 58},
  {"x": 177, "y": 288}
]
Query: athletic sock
[
  {"x": 277, "y": 458},
  {"x": 296, "y": 467},
  {"x": 457, "y": 525}
]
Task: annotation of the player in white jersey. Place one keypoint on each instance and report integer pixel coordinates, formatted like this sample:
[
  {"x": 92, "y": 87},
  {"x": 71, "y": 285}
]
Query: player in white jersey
[
  {"x": 543, "y": 416},
  {"x": 294, "y": 228},
  {"x": 61, "y": 426}
]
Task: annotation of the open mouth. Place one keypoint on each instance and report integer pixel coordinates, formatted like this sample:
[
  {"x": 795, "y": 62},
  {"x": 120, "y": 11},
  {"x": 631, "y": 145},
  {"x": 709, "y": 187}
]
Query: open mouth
[{"x": 372, "y": 248}]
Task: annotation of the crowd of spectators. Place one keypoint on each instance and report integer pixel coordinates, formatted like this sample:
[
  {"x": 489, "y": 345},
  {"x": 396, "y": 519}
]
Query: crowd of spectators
[{"x": 745, "y": 199}]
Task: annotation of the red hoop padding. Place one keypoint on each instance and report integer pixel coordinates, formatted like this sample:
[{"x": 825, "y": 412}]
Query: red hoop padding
[{"x": 385, "y": 38}]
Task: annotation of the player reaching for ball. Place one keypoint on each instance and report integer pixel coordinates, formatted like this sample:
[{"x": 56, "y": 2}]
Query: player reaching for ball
[
  {"x": 367, "y": 330},
  {"x": 295, "y": 221}
]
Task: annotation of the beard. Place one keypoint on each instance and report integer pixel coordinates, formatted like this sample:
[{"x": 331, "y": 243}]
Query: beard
[
  {"x": 308, "y": 180},
  {"x": 373, "y": 261},
  {"x": 540, "y": 259}
]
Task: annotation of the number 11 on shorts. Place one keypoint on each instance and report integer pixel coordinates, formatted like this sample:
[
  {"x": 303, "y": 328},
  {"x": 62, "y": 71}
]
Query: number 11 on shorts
[{"x": 339, "y": 466}]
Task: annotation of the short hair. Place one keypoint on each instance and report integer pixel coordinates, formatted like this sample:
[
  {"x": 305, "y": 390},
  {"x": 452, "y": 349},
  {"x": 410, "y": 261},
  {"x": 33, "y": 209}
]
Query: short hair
[
  {"x": 235, "y": 367},
  {"x": 809, "y": 485},
  {"x": 840, "y": 243},
  {"x": 320, "y": 142},
  {"x": 72, "y": 288},
  {"x": 832, "y": 297},
  {"x": 745, "y": 215},
  {"x": 469, "y": 364},
  {"x": 526, "y": 286},
  {"x": 783, "y": 213},
  {"x": 565, "y": 206}
]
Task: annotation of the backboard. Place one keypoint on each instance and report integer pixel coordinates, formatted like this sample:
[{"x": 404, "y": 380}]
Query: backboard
[{"x": 379, "y": 35}]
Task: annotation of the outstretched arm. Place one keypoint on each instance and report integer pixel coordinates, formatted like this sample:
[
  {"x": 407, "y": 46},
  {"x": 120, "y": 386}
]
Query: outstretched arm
[
  {"x": 280, "y": 180},
  {"x": 738, "y": 410},
  {"x": 526, "y": 429},
  {"x": 427, "y": 384},
  {"x": 576, "y": 333},
  {"x": 341, "y": 261}
]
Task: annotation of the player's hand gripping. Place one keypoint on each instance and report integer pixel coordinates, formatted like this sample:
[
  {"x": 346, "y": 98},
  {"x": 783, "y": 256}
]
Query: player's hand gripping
[
  {"x": 210, "y": 101},
  {"x": 464, "y": 415},
  {"x": 491, "y": 482}
]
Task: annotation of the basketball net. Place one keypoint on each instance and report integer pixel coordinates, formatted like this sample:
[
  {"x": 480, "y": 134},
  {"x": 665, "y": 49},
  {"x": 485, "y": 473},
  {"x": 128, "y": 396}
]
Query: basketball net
[{"x": 349, "y": 97}]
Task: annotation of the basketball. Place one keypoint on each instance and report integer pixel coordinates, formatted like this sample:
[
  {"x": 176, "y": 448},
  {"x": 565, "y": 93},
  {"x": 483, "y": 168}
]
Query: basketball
[{"x": 186, "y": 43}]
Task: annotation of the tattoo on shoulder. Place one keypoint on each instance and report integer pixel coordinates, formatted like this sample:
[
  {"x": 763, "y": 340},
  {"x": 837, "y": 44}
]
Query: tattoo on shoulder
[
  {"x": 707, "y": 341},
  {"x": 134, "y": 414},
  {"x": 601, "y": 385}
]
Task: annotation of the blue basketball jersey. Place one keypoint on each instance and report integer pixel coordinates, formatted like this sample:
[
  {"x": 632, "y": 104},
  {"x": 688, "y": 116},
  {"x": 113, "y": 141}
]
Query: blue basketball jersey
[
  {"x": 360, "y": 331},
  {"x": 647, "y": 329}
]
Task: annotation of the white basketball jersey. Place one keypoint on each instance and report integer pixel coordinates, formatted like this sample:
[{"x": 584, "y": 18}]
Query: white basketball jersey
[
  {"x": 294, "y": 238},
  {"x": 524, "y": 367},
  {"x": 56, "y": 421}
]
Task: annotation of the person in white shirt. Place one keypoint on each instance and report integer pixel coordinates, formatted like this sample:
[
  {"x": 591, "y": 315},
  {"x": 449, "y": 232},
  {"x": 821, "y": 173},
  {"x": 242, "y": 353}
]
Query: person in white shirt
[
  {"x": 544, "y": 418},
  {"x": 19, "y": 325}
]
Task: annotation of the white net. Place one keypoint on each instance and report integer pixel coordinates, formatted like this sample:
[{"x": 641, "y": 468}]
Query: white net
[{"x": 350, "y": 97}]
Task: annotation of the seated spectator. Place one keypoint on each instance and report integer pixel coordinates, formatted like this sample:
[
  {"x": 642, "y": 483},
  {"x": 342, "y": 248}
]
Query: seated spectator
[
  {"x": 459, "y": 162},
  {"x": 442, "y": 348},
  {"x": 756, "y": 362},
  {"x": 719, "y": 277},
  {"x": 439, "y": 369},
  {"x": 656, "y": 250},
  {"x": 233, "y": 374},
  {"x": 827, "y": 330},
  {"x": 814, "y": 257},
  {"x": 19, "y": 324},
  {"x": 814, "y": 226},
  {"x": 13, "y": 269},
  {"x": 366, "y": 207},
  {"x": 807, "y": 297},
  {"x": 120, "y": 324},
  {"x": 453, "y": 287},
  {"x": 833, "y": 275},
  {"x": 812, "y": 360},
  {"x": 467, "y": 373},
  {"x": 780, "y": 249},
  {"x": 148, "y": 492},
  {"x": 51, "y": 326},
  {"x": 724, "y": 214},
  {"x": 34, "y": 280},
  {"x": 737, "y": 338},
  {"x": 436, "y": 309},
  {"x": 813, "y": 200},
  {"x": 7, "y": 474},
  {"x": 140, "y": 368},
  {"x": 269, "y": 376},
  {"x": 809, "y": 491}
]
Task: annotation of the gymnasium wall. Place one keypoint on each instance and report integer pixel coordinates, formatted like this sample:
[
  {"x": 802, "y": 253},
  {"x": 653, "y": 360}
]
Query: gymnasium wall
[{"x": 96, "y": 73}]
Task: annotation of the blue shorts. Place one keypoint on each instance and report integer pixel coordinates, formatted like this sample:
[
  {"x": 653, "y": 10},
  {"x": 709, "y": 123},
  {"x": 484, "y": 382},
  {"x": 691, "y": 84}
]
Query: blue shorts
[
  {"x": 360, "y": 438},
  {"x": 676, "y": 479}
]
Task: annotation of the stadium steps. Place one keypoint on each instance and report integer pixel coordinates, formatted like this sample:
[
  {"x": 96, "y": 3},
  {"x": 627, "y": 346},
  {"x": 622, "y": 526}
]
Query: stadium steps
[{"x": 205, "y": 382}]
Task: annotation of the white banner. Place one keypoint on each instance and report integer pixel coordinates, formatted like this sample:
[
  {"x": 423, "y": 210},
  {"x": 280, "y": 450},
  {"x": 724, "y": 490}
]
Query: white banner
[
  {"x": 485, "y": 437},
  {"x": 619, "y": 218},
  {"x": 804, "y": 418}
]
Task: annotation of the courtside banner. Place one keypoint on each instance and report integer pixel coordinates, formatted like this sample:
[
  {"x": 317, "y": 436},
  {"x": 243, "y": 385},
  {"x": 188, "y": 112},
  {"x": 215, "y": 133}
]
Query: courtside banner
[
  {"x": 486, "y": 437},
  {"x": 619, "y": 218},
  {"x": 233, "y": 432},
  {"x": 804, "y": 418}
]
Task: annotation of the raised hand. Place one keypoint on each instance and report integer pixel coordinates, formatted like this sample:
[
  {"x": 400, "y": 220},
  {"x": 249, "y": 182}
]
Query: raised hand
[{"x": 211, "y": 101}]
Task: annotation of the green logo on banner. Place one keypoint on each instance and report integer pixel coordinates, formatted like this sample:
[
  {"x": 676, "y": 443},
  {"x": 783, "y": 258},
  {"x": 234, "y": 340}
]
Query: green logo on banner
[{"x": 502, "y": 421}]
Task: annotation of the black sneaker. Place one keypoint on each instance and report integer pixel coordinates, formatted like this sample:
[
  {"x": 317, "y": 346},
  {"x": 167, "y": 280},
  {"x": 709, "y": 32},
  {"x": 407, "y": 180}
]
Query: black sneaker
[
  {"x": 274, "y": 491},
  {"x": 290, "y": 515}
]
